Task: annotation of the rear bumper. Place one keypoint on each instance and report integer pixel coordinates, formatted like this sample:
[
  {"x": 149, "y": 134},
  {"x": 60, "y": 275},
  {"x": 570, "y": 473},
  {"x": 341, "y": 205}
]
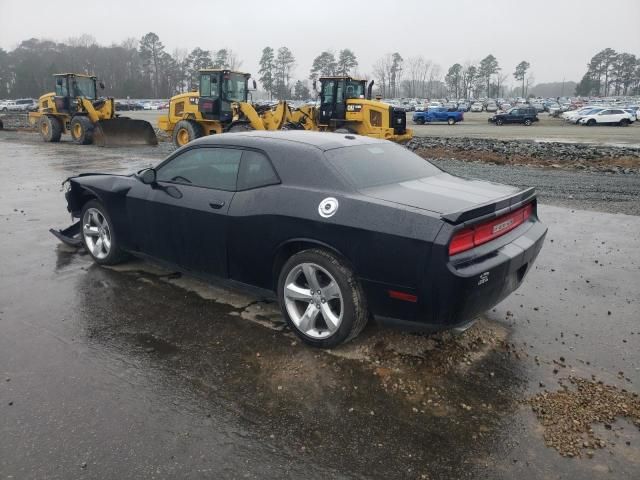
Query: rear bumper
[{"x": 456, "y": 293}]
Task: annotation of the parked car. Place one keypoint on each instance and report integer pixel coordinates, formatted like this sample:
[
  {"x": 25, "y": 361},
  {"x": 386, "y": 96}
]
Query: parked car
[
  {"x": 610, "y": 116},
  {"x": 580, "y": 114},
  {"x": 23, "y": 105},
  {"x": 524, "y": 115},
  {"x": 505, "y": 107},
  {"x": 538, "y": 106},
  {"x": 463, "y": 107},
  {"x": 477, "y": 107},
  {"x": 339, "y": 227},
  {"x": 574, "y": 115},
  {"x": 438, "y": 114},
  {"x": 7, "y": 105},
  {"x": 491, "y": 107}
]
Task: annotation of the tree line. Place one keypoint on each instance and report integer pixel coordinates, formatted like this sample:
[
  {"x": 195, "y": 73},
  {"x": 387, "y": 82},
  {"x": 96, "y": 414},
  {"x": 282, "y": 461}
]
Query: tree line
[
  {"x": 611, "y": 73},
  {"x": 141, "y": 68},
  {"x": 136, "y": 68}
]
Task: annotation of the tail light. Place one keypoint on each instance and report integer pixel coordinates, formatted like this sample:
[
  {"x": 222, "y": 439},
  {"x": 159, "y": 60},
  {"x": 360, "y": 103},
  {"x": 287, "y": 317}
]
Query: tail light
[{"x": 474, "y": 236}]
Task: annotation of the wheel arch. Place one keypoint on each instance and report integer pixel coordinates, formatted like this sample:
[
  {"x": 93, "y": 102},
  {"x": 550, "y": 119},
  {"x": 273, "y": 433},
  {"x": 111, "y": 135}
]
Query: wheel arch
[
  {"x": 79, "y": 195},
  {"x": 290, "y": 247}
]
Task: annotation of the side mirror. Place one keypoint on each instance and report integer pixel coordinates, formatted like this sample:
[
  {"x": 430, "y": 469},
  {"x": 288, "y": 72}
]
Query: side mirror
[
  {"x": 101, "y": 85},
  {"x": 148, "y": 177},
  {"x": 314, "y": 85},
  {"x": 255, "y": 85}
]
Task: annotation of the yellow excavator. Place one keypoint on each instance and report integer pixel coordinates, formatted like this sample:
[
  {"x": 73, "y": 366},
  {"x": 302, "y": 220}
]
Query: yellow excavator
[
  {"x": 221, "y": 106},
  {"x": 75, "y": 108}
]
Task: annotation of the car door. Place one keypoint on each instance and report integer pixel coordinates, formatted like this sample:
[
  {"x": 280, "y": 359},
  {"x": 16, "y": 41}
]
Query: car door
[
  {"x": 513, "y": 117},
  {"x": 255, "y": 232},
  {"x": 188, "y": 208},
  {"x": 605, "y": 116}
]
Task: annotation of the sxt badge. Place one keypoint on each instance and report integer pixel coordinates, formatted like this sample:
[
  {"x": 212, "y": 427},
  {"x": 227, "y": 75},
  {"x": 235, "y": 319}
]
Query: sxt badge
[
  {"x": 328, "y": 207},
  {"x": 484, "y": 278}
]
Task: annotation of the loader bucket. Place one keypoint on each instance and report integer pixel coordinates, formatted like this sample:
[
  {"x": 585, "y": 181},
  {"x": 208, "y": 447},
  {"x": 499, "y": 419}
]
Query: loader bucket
[{"x": 123, "y": 131}]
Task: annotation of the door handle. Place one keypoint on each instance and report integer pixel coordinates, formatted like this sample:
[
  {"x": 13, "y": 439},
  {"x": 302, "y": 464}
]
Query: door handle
[{"x": 217, "y": 204}]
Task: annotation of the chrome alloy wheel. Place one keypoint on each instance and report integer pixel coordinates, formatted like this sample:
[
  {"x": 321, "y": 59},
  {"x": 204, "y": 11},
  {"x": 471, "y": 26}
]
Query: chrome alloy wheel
[
  {"x": 96, "y": 232},
  {"x": 313, "y": 300}
]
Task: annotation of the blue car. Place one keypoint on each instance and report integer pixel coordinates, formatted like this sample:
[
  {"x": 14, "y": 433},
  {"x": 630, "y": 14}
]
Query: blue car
[{"x": 438, "y": 114}]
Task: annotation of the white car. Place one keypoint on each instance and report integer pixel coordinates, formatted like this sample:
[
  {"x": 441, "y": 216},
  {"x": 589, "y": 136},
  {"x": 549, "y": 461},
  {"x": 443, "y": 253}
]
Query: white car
[
  {"x": 580, "y": 114},
  {"x": 477, "y": 107},
  {"x": 572, "y": 115},
  {"x": 491, "y": 107},
  {"x": 7, "y": 105},
  {"x": 610, "y": 116}
]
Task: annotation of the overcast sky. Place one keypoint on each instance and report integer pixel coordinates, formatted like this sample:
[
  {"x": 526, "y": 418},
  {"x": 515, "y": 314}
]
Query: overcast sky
[{"x": 557, "y": 37}]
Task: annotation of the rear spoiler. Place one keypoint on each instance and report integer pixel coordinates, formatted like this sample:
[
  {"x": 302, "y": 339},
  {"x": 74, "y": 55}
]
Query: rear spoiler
[{"x": 492, "y": 209}]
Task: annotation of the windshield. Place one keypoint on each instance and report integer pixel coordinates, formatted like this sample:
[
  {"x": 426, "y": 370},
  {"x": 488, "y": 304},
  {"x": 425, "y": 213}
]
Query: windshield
[
  {"x": 235, "y": 88},
  {"x": 83, "y": 87},
  {"x": 379, "y": 164}
]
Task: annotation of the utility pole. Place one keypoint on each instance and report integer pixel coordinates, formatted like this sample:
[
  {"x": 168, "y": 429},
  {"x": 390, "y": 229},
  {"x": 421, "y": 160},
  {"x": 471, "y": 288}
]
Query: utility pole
[{"x": 562, "y": 91}]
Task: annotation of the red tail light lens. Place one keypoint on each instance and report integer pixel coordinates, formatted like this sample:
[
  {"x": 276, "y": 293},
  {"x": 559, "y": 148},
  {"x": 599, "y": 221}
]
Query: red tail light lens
[{"x": 477, "y": 235}]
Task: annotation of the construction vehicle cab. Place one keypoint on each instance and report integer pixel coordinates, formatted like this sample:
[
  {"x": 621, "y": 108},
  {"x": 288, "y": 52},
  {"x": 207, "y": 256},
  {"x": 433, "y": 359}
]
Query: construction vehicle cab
[
  {"x": 346, "y": 106},
  {"x": 219, "y": 89},
  {"x": 76, "y": 108},
  {"x": 219, "y": 106}
]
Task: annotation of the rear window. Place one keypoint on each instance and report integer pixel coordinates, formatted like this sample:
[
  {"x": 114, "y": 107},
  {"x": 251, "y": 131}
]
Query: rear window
[{"x": 379, "y": 164}]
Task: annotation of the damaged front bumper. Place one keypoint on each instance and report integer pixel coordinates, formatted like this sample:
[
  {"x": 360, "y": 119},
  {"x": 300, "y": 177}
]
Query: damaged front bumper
[{"x": 70, "y": 235}]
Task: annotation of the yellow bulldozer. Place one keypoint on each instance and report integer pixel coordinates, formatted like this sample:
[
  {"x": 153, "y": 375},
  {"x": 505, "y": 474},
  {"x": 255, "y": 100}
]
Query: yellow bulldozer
[
  {"x": 75, "y": 108},
  {"x": 221, "y": 105}
]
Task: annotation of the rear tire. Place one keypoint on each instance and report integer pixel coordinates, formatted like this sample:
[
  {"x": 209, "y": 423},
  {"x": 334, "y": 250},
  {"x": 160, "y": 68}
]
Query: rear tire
[
  {"x": 50, "y": 128},
  {"x": 420, "y": 121},
  {"x": 186, "y": 131},
  {"x": 451, "y": 121},
  {"x": 624, "y": 122},
  {"x": 335, "y": 315},
  {"x": 98, "y": 236},
  {"x": 82, "y": 130}
]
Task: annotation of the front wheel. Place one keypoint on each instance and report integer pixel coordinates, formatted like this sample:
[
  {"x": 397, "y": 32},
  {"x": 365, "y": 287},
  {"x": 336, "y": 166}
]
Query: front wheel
[
  {"x": 451, "y": 121},
  {"x": 499, "y": 122},
  {"x": 527, "y": 122},
  {"x": 98, "y": 235},
  {"x": 419, "y": 121},
  {"x": 82, "y": 130},
  {"x": 591, "y": 122},
  {"x": 321, "y": 299}
]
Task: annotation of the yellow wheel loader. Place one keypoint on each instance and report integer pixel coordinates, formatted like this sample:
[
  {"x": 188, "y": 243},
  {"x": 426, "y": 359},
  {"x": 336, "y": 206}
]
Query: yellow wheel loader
[
  {"x": 221, "y": 106},
  {"x": 75, "y": 108}
]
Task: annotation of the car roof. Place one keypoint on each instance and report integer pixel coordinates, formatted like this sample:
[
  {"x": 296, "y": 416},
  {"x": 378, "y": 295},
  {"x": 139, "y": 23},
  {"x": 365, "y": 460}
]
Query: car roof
[{"x": 320, "y": 140}]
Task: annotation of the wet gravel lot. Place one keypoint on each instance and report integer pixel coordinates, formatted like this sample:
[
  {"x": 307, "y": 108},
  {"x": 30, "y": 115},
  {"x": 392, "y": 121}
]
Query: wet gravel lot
[{"x": 139, "y": 372}]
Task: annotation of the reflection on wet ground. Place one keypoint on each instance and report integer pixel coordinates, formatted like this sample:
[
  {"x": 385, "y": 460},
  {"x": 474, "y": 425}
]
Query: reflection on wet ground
[{"x": 139, "y": 372}]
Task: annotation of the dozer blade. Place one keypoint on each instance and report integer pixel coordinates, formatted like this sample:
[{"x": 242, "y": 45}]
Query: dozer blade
[{"x": 123, "y": 131}]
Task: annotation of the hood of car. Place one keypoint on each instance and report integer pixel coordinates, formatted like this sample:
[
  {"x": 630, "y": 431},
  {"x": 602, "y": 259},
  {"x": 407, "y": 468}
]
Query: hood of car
[{"x": 441, "y": 193}]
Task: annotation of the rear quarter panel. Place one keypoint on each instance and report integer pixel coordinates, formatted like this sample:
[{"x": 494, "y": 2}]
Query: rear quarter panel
[{"x": 382, "y": 242}]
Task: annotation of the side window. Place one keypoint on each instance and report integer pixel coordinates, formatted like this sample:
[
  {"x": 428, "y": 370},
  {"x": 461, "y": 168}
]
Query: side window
[
  {"x": 606, "y": 112},
  {"x": 255, "y": 171},
  {"x": 327, "y": 91},
  {"x": 204, "y": 167}
]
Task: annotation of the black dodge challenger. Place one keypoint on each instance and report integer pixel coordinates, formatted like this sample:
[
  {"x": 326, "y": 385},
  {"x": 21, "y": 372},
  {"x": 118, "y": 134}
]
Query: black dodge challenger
[{"x": 341, "y": 227}]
